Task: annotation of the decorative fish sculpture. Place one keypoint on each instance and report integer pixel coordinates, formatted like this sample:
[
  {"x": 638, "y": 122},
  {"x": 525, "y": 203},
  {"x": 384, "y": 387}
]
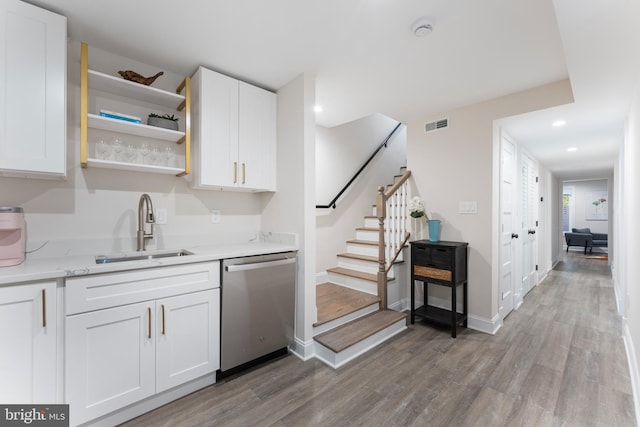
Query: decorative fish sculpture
[{"x": 135, "y": 77}]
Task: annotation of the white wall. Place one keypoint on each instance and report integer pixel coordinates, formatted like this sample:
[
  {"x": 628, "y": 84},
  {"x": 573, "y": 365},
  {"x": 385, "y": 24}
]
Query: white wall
[
  {"x": 341, "y": 151},
  {"x": 461, "y": 163},
  {"x": 545, "y": 218},
  {"x": 555, "y": 201},
  {"x": 102, "y": 203},
  {"x": 291, "y": 208},
  {"x": 582, "y": 190},
  {"x": 628, "y": 267}
]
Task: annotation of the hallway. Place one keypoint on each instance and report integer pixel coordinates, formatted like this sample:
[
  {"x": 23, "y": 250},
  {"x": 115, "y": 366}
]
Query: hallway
[{"x": 559, "y": 360}]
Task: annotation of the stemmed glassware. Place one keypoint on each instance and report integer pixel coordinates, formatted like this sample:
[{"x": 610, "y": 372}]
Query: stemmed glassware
[
  {"x": 130, "y": 153},
  {"x": 103, "y": 149},
  {"x": 154, "y": 155},
  {"x": 118, "y": 148},
  {"x": 168, "y": 154},
  {"x": 145, "y": 149}
]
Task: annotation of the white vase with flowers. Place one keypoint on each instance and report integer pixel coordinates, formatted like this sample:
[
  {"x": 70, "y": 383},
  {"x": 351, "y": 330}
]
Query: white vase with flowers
[{"x": 419, "y": 218}]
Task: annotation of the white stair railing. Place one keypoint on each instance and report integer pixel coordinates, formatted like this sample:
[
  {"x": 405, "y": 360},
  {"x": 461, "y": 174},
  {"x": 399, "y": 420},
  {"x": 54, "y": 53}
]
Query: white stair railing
[{"x": 391, "y": 210}]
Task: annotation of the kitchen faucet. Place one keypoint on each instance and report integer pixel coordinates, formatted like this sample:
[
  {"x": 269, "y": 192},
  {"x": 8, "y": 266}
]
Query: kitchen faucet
[{"x": 144, "y": 219}]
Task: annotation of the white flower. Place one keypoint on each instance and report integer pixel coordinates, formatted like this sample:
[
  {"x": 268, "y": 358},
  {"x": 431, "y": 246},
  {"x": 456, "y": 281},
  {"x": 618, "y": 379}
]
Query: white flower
[{"x": 416, "y": 207}]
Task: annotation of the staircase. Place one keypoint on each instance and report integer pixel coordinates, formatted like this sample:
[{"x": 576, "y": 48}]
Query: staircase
[{"x": 351, "y": 318}]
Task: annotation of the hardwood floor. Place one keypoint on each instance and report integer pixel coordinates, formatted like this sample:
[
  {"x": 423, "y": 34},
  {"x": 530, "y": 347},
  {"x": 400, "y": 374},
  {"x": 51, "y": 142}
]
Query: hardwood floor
[{"x": 559, "y": 360}]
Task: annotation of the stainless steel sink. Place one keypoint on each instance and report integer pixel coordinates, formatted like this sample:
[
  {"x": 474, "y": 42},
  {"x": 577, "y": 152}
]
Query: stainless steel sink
[{"x": 138, "y": 256}]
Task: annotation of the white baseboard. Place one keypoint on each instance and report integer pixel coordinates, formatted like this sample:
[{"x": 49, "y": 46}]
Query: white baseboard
[
  {"x": 303, "y": 350},
  {"x": 619, "y": 298},
  {"x": 482, "y": 324},
  {"x": 321, "y": 278},
  {"x": 151, "y": 403},
  {"x": 400, "y": 306},
  {"x": 477, "y": 323},
  {"x": 633, "y": 368}
]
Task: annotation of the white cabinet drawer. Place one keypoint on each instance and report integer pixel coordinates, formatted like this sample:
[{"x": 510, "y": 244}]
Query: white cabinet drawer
[{"x": 109, "y": 290}]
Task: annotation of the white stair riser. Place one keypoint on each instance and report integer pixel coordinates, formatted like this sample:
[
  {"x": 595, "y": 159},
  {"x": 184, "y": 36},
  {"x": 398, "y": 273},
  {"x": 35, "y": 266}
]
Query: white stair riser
[
  {"x": 317, "y": 330},
  {"x": 354, "y": 283},
  {"x": 358, "y": 265},
  {"x": 371, "y": 236},
  {"x": 355, "y": 248},
  {"x": 371, "y": 222},
  {"x": 335, "y": 360}
]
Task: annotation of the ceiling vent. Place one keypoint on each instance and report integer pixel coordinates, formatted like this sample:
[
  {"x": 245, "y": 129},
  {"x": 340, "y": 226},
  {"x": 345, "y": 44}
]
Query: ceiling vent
[{"x": 436, "y": 125}]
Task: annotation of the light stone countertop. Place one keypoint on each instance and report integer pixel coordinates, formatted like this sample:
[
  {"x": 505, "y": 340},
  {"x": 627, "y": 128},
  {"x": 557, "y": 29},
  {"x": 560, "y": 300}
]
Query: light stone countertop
[{"x": 52, "y": 268}]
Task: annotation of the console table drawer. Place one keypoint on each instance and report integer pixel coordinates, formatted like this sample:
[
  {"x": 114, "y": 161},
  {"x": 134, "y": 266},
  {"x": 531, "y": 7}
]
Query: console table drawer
[
  {"x": 432, "y": 273},
  {"x": 436, "y": 257}
]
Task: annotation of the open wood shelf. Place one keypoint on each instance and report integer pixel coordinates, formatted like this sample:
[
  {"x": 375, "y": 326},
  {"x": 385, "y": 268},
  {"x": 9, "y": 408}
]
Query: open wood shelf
[{"x": 138, "y": 94}]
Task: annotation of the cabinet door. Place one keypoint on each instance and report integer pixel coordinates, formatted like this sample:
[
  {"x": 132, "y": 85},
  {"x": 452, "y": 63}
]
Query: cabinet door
[
  {"x": 28, "y": 353},
  {"x": 110, "y": 359},
  {"x": 188, "y": 330},
  {"x": 257, "y": 138},
  {"x": 215, "y": 133},
  {"x": 33, "y": 52}
]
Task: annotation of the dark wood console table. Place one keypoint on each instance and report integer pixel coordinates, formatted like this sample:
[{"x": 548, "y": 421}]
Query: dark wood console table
[{"x": 444, "y": 264}]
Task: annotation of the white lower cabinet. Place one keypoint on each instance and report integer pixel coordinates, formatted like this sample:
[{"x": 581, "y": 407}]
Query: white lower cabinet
[
  {"x": 110, "y": 360},
  {"x": 28, "y": 350},
  {"x": 121, "y": 355},
  {"x": 188, "y": 344}
]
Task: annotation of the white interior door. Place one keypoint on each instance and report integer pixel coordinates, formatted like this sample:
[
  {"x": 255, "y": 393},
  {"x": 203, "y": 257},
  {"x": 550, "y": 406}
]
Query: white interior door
[
  {"x": 508, "y": 191},
  {"x": 529, "y": 224}
]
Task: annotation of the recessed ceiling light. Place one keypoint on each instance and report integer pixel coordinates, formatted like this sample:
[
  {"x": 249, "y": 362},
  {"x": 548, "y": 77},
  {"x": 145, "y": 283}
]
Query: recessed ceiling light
[
  {"x": 559, "y": 123},
  {"x": 317, "y": 109},
  {"x": 572, "y": 149}
]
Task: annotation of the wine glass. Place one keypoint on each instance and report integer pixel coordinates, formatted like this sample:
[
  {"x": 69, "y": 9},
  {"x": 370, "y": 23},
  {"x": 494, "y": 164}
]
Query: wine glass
[
  {"x": 130, "y": 153},
  {"x": 103, "y": 149},
  {"x": 144, "y": 151},
  {"x": 168, "y": 154},
  {"x": 154, "y": 155},
  {"x": 118, "y": 148}
]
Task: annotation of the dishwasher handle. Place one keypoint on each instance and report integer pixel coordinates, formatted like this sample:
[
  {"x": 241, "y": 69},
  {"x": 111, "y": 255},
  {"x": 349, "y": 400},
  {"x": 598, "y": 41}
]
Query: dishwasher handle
[{"x": 258, "y": 265}]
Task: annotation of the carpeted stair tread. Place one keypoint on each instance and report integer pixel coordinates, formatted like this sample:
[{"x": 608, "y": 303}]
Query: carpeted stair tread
[{"x": 345, "y": 336}]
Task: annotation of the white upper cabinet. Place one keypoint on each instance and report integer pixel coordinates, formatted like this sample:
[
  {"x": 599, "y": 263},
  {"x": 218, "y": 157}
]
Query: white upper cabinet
[
  {"x": 33, "y": 75},
  {"x": 234, "y": 134}
]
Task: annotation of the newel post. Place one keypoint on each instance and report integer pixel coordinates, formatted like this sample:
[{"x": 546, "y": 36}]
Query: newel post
[{"x": 382, "y": 270}]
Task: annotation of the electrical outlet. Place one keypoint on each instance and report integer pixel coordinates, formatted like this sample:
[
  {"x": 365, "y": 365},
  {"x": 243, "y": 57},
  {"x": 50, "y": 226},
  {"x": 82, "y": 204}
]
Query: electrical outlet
[
  {"x": 161, "y": 215},
  {"x": 215, "y": 216}
]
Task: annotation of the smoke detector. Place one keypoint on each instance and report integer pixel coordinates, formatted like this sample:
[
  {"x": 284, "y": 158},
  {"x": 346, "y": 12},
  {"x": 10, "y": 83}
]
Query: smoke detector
[{"x": 422, "y": 27}]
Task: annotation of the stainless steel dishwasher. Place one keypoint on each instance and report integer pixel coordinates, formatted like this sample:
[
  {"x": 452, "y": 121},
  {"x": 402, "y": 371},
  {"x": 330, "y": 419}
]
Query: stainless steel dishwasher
[{"x": 258, "y": 306}]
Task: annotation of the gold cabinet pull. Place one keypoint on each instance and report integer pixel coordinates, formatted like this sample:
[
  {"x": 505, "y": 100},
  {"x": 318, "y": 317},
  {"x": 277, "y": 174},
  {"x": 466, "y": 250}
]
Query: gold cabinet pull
[
  {"x": 149, "y": 313},
  {"x": 244, "y": 173},
  {"x": 44, "y": 308},
  {"x": 235, "y": 172},
  {"x": 162, "y": 306}
]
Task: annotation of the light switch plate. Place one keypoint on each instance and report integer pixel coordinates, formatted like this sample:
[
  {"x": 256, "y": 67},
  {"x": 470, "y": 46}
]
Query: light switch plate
[
  {"x": 215, "y": 216},
  {"x": 468, "y": 207},
  {"x": 161, "y": 216}
]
